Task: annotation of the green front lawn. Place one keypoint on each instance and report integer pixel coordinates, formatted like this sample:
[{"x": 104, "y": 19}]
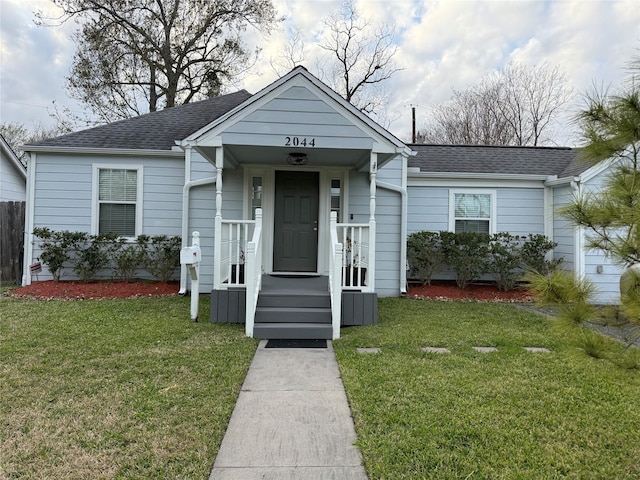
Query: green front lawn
[
  {"x": 469, "y": 415},
  {"x": 115, "y": 388}
]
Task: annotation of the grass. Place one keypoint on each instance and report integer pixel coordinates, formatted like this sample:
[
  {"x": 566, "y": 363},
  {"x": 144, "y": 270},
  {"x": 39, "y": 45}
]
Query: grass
[
  {"x": 505, "y": 415},
  {"x": 115, "y": 388}
]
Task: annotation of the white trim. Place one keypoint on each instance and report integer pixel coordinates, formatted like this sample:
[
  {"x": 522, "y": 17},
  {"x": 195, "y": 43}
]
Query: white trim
[
  {"x": 493, "y": 219},
  {"x": 267, "y": 172},
  {"x": 96, "y": 167},
  {"x": 598, "y": 168},
  {"x": 549, "y": 213},
  {"x": 299, "y": 76},
  {"x": 8, "y": 151},
  {"x": 403, "y": 228},
  {"x": 29, "y": 219},
  {"x": 128, "y": 152},
  {"x": 578, "y": 253},
  {"x": 484, "y": 182}
]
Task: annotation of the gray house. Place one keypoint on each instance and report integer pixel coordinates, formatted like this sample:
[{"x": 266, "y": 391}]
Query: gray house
[
  {"x": 13, "y": 175},
  {"x": 302, "y": 202}
]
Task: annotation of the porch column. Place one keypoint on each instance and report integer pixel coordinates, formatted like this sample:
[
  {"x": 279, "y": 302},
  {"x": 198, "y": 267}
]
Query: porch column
[
  {"x": 217, "y": 248},
  {"x": 373, "y": 170}
]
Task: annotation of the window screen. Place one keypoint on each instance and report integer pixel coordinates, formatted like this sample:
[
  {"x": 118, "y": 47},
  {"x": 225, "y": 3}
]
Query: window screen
[
  {"x": 117, "y": 201},
  {"x": 472, "y": 212}
]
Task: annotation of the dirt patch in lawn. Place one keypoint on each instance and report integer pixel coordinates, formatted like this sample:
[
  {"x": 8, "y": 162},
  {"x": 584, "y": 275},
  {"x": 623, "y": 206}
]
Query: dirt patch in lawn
[
  {"x": 477, "y": 292},
  {"x": 69, "y": 290}
]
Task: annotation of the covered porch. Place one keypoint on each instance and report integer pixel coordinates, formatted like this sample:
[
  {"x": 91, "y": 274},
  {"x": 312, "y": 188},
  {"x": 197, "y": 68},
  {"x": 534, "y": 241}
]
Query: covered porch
[
  {"x": 295, "y": 176},
  {"x": 290, "y": 268}
]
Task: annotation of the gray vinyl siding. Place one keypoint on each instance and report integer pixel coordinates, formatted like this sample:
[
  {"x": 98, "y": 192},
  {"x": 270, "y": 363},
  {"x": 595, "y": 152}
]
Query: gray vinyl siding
[
  {"x": 391, "y": 172},
  {"x": 563, "y": 231},
  {"x": 608, "y": 282},
  {"x": 520, "y": 211},
  {"x": 297, "y": 112},
  {"x": 202, "y": 211},
  {"x": 388, "y": 205},
  {"x": 12, "y": 184},
  {"x": 201, "y": 167},
  {"x": 428, "y": 209},
  {"x": 63, "y": 197}
]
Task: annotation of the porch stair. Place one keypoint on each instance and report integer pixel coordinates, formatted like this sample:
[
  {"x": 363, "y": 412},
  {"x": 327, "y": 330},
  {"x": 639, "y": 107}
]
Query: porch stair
[{"x": 293, "y": 307}]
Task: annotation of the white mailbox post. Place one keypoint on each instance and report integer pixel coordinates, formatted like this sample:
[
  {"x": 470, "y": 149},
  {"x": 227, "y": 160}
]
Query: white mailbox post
[{"x": 191, "y": 257}]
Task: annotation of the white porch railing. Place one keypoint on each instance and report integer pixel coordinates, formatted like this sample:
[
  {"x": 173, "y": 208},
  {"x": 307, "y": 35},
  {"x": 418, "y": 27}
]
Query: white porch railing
[
  {"x": 335, "y": 277},
  {"x": 229, "y": 252},
  {"x": 358, "y": 259},
  {"x": 253, "y": 272}
]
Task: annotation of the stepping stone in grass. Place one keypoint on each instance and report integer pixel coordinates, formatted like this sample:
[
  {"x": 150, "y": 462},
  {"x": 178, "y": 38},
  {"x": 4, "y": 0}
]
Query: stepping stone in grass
[
  {"x": 368, "y": 350},
  {"x": 485, "y": 349},
  {"x": 537, "y": 349},
  {"x": 435, "y": 350}
]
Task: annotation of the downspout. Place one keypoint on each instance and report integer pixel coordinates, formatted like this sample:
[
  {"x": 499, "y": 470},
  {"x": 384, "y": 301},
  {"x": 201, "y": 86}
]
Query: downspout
[
  {"x": 185, "y": 223},
  {"x": 186, "y": 189},
  {"x": 403, "y": 231},
  {"x": 576, "y": 188},
  {"x": 28, "y": 220}
]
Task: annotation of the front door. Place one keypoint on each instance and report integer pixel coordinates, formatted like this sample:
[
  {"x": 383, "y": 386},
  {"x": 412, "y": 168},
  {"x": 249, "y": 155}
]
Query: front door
[{"x": 295, "y": 245}]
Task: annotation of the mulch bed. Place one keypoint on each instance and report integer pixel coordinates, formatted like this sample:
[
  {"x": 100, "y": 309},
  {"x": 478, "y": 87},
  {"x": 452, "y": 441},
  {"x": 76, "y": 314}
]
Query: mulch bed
[
  {"x": 483, "y": 292},
  {"x": 69, "y": 290}
]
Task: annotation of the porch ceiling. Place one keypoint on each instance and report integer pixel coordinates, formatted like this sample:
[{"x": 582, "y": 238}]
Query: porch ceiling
[{"x": 235, "y": 155}]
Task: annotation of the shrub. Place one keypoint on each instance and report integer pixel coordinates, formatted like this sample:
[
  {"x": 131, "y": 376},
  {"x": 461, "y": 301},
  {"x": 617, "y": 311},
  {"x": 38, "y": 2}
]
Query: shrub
[
  {"x": 92, "y": 254},
  {"x": 534, "y": 254},
  {"x": 55, "y": 248},
  {"x": 161, "y": 255},
  {"x": 466, "y": 253},
  {"x": 127, "y": 258},
  {"x": 424, "y": 254},
  {"x": 504, "y": 259}
]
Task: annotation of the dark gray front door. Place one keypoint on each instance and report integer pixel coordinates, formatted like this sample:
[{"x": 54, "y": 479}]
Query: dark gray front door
[{"x": 295, "y": 244}]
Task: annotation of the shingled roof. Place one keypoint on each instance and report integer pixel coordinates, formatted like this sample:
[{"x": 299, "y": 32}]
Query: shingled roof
[
  {"x": 548, "y": 161},
  {"x": 153, "y": 131}
]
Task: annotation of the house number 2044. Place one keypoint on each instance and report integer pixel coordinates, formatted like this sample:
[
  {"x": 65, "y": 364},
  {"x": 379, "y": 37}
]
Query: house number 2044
[{"x": 299, "y": 142}]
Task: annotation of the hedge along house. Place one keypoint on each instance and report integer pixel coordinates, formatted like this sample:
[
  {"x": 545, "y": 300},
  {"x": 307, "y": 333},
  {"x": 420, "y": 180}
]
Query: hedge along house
[
  {"x": 297, "y": 196},
  {"x": 510, "y": 189},
  {"x": 302, "y": 202}
]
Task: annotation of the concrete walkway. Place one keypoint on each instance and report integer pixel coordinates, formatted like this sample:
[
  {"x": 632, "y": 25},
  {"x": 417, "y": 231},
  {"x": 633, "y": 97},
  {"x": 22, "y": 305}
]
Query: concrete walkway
[{"x": 291, "y": 421}]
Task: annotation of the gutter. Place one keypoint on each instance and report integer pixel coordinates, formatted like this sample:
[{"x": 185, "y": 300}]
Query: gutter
[
  {"x": 185, "y": 223},
  {"x": 104, "y": 151},
  {"x": 403, "y": 231},
  {"x": 186, "y": 190},
  {"x": 579, "y": 259}
]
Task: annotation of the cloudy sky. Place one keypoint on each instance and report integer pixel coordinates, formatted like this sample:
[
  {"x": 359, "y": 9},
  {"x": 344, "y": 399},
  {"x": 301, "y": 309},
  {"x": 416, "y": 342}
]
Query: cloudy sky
[{"x": 441, "y": 45}]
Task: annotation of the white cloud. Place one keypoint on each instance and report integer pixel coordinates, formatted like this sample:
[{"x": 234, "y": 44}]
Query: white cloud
[
  {"x": 443, "y": 44},
  {"x": 33, "y": 62}
]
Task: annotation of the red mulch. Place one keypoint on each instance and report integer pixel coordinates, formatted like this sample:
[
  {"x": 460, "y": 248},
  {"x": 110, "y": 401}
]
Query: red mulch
[
  {"x": 69, "y": 290},
  {"x": 476, "y": 292}
]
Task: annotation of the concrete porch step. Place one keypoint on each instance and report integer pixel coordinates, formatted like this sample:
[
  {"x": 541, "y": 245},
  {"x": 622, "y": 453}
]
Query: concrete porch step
[{"x": 314, "y": 331}]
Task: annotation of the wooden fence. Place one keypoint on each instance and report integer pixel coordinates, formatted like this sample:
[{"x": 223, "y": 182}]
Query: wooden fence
[{"x": 11, "y": 241}]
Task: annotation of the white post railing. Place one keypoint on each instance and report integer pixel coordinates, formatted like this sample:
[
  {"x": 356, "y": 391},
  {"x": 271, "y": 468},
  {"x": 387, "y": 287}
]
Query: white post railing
[
  {"x": 357, "y": 271},
  {"x": 335, "y": 277},
  {"x": 253, "y": 273},
  {"x": 229, "y": 252}
]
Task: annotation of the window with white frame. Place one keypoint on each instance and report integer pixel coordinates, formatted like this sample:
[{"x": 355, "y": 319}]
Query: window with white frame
[
  {"x": 472, "y": 211},
  {"x": 118, "y": 201}
]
